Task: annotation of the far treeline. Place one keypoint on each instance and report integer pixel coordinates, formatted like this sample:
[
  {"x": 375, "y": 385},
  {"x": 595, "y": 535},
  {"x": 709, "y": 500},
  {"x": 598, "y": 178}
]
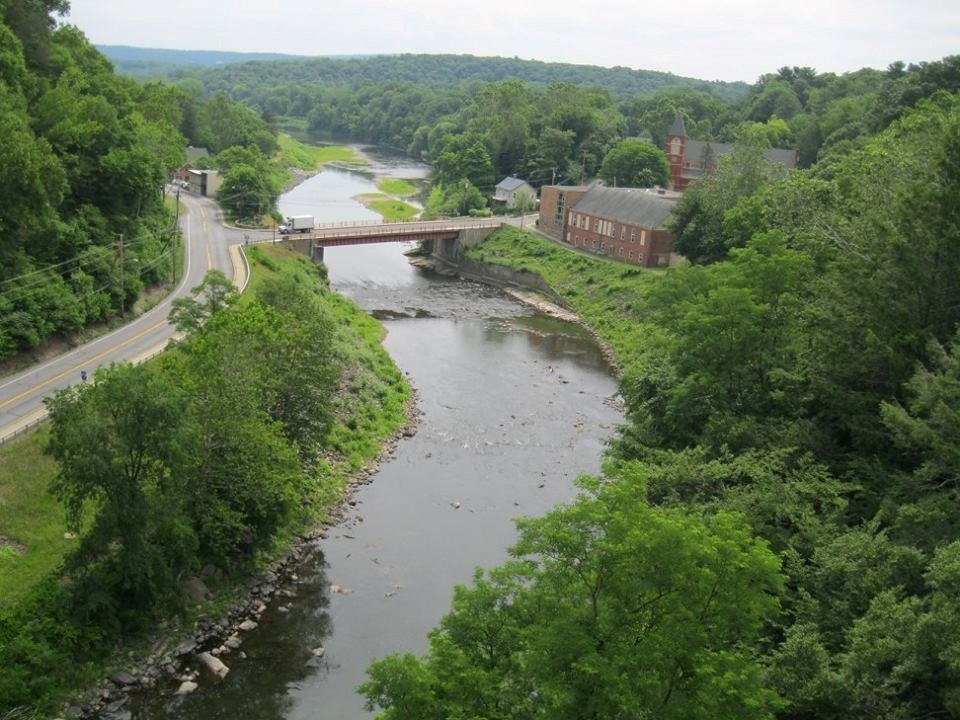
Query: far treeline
[
  {"x": 481, "y": 119},
  {"x": 84, "y": 158}
]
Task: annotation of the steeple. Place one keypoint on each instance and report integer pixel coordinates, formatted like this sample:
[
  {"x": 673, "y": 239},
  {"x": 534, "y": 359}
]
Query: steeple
[{"x": 679, "y": 128}]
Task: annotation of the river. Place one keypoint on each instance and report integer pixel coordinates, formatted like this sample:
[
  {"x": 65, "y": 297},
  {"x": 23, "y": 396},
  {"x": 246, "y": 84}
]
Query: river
[{"x": 515, "y": 405}]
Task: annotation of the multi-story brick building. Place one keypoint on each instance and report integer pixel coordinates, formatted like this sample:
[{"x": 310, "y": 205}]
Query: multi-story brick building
[
  {"x": 689, "y": 158},
  {"x": 555, "y": 201},
  {"x": 623, "y": 223}
]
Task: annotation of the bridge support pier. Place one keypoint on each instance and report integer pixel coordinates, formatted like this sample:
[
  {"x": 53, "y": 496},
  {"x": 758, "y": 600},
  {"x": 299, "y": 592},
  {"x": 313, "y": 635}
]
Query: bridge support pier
[{"x": 316, "y": 253}]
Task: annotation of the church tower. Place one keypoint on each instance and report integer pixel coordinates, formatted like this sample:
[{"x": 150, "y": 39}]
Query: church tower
[{"x": 676, "y": 147}]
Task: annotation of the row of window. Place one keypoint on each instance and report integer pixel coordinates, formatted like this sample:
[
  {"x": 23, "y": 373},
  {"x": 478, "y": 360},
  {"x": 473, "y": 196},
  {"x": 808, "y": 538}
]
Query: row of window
[
  {"x": 600, "y": 247},
  {"x": 606, "y": 227}
]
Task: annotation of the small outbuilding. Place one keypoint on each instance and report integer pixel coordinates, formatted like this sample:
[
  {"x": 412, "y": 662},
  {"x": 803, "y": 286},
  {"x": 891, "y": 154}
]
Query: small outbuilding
[{"x": 204, "y": 182}]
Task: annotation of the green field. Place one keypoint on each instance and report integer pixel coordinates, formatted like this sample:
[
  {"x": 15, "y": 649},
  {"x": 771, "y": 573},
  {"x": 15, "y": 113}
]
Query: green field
[{"x": 31, "y": 519}]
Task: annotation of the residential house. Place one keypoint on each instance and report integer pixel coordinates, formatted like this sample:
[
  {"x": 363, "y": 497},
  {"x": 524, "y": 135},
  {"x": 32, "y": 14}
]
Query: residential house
[
  {"x": 689, "y": 158},
  {"x": 507, "y": 189},
  {"x": 194, "y": 154},
  {"x": 623, "y": 223}
]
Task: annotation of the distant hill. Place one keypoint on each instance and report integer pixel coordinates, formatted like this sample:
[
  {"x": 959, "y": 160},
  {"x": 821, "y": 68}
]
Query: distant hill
[
  {"x": 450, "y": 71},
  {"x": 230, "y": 70},
  {"x": 151, "y": 62}
]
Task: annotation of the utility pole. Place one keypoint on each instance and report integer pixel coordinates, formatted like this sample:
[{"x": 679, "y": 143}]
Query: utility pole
[
  {"x": 122, "y": 292},
  {"x": 173, "y": 239},
  {"x": 553, "y": 176}
]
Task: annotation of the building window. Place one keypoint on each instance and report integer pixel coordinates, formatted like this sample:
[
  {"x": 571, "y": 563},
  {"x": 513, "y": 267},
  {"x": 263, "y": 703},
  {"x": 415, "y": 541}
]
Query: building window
[
  {"x": 633, "y": 234},
  {"x": 621, "y": 252},
  {"x": 558, "y": 214},
  {"x": 630, "y": 254},
  {"x": 643, "y": 237},
  {"x": 623, "y": 232},
  {"x": 576, "y": 240}
]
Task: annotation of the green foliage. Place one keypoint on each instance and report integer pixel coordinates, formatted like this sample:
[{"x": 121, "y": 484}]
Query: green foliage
[
  {"x": 610, "y": 608},
  {"x": 631, "y": 163},
  {"x": 121, "y": 443},
  {"x": 808, "y": 382},
  {"x": 85, "y": 158},
  {"x": 456, "y": 200},
  {"x": 698, "y": 219},
  {"x": 203, "y": 456},
  {"x": 215, "y": 293}
]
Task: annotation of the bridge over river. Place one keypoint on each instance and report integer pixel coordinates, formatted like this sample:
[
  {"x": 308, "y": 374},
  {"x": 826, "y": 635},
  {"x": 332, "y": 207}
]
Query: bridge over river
[{"x": 442, "y": 233}]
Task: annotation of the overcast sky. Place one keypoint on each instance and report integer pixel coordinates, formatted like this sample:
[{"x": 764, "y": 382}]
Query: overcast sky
[{"x": 708, "y": 39}]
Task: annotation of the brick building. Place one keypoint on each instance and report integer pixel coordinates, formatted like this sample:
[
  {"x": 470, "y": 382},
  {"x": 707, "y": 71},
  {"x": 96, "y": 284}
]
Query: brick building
[
  {"x": 623, "y": 223},
  {"x": 689, "y": 158},
  {"x": 555, "y": 200}
]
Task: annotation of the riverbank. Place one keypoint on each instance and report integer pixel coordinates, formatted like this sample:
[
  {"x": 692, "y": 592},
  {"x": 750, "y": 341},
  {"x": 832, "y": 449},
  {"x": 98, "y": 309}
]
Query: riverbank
[
  {"x": 604, "y": 296},
  {"x": 373, "y": 410}
]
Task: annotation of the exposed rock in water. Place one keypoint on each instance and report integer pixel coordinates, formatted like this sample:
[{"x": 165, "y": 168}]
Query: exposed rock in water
[
  {"x": 186, "y": 687},
  {"x": 123, "y": 679},
  {"x": 214, "y": 665}
]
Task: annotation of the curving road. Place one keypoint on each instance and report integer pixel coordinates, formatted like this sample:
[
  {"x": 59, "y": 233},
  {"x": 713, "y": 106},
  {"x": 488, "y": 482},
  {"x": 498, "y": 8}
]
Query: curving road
[{"x": 209, "y": 245}]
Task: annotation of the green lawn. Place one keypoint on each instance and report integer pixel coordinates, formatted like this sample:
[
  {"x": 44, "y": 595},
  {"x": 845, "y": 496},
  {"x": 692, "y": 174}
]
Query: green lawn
[
  {"x": 390, "y": 208},
  {"x": 399, "y": 188},
  {"x": 29, "y": 516}
]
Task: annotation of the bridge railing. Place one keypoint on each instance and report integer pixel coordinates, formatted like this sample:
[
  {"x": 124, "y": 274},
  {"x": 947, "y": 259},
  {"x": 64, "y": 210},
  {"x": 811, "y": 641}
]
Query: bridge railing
[{"x": 384, "y": 228}]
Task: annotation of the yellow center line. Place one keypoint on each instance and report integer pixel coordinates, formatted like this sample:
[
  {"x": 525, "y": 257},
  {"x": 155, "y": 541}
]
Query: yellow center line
[
  {"x": 106, "y": 352},
  {"x": 209, "y": 259}
]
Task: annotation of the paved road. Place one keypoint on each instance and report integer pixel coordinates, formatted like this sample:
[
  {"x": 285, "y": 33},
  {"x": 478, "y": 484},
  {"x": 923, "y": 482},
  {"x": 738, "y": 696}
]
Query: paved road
[{"x": 207, "y": 247}]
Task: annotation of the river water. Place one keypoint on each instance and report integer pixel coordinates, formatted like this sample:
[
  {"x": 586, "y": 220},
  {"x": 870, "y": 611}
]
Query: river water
[{"x": 515, "y": 405}]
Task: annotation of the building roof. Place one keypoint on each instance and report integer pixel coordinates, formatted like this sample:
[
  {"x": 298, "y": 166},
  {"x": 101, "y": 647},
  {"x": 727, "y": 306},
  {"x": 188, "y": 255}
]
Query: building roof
[
  {"x": 679, "y": 128},
  {"x": 510, "y": 183},
  {"x": 632, "y": 206},
  {"x": 705, "y": 153}
]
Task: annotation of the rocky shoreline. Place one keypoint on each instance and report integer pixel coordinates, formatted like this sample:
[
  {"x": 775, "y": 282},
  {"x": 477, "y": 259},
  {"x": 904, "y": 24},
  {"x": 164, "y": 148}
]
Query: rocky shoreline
[{"x": 181, "y": 660}]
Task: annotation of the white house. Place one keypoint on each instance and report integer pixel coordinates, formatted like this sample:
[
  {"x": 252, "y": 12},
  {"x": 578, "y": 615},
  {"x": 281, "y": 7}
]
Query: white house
[{"x": 507, "y": 189}]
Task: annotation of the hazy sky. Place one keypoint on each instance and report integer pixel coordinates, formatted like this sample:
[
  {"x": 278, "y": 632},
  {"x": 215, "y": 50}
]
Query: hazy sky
[{"x": 709, "y": 39}]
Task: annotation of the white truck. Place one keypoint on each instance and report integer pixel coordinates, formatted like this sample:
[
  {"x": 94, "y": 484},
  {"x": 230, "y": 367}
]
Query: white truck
[{"x": 297, "y": 223}]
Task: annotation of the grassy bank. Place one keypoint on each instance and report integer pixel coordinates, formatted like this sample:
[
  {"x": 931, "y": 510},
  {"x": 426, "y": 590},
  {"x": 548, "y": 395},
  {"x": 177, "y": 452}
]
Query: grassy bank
[
  {"x": 45, "y": 653},
  {"x": 606, "y": 294},
  {"x": 390, "y": 208},
  {"x": 398, "y": 188},
  {"x": 294, "y": 153}
]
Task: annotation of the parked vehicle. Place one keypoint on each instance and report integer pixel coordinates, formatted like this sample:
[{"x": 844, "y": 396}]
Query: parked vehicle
[{"x": 297, "y": 223}]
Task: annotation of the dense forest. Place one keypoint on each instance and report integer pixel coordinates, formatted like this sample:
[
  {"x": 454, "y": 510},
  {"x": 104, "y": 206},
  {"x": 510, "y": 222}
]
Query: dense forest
[
  {"x": 84, "y": 162},
  {"x": 777, "y": 530}
]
